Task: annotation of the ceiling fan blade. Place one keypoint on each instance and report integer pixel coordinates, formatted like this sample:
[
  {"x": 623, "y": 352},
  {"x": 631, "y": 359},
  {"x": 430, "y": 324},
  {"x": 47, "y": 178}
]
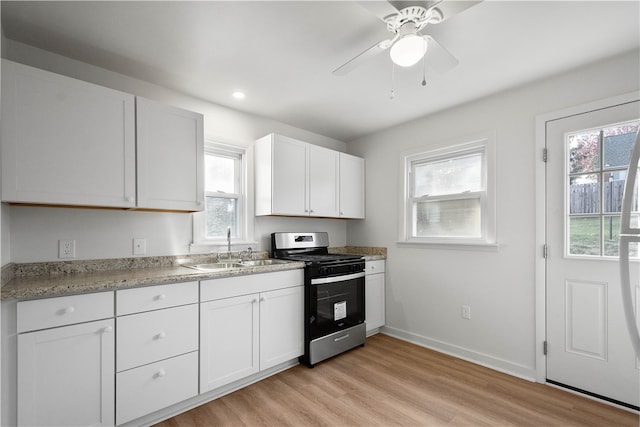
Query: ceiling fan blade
[
  {"x": 363, "y": 57},
  {"x": 381, "y": 9},
  {"x": 453, "y": 7},
  {"x": 438, "y": 59}
]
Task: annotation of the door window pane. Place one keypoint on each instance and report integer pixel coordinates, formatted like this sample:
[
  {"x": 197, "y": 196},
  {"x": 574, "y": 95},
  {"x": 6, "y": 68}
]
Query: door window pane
[
  {"x": 617, "y": 145},
  {"x": 584, "y": 194},
  {"x": 584, "y": 152},
  {"x": 584, "y": 235}
]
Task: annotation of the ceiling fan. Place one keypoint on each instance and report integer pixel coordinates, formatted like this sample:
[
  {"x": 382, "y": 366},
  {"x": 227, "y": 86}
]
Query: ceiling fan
[{"x": 406, "y": 20}]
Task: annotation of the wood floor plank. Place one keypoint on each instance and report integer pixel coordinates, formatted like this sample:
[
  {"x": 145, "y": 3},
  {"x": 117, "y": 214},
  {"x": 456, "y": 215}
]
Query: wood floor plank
[{"x": 389, "y": 382}]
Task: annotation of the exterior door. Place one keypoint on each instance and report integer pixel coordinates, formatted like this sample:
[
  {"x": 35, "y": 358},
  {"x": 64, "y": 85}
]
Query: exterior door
[{"x": 588, "y": 346}]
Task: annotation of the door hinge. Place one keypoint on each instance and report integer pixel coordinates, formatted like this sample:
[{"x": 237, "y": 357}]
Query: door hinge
[
  {"x": 544, "y": 347},
  {"x": 544, "y": 251},
  {"x": 544, "y": 155}
]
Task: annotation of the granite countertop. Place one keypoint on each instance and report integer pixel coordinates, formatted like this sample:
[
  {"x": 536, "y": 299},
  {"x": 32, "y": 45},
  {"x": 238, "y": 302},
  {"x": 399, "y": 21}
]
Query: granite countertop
[
  {"x": 83, "y": 277},
  {"x": 52, "y": 279}
]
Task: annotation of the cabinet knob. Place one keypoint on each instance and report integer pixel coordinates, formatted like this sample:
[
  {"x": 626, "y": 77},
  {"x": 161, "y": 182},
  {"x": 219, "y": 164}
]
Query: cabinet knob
[
  {"x": 255, "y": 300},
  {"x": 107, "y": 329},
  {"x": 160, "y": 297},
  {"x": 161, "y": 373},
  {"x": 263, "y": 299},
  {"x": 69, "y": 310},
  {"x": 129, "y": 199},
  {"x": 160, "y": 335}
]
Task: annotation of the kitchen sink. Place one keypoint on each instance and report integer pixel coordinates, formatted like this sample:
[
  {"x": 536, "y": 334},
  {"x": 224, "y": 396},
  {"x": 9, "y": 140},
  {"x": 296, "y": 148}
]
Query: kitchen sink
[{"x": 216, "y": 266}]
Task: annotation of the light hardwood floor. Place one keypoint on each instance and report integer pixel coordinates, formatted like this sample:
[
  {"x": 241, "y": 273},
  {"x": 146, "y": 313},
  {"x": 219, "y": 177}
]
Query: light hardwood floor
[{"x": 389, "y": 382}]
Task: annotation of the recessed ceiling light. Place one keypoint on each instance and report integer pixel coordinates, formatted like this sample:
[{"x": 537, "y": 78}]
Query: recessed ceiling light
[{"x": 238, "y": 94}]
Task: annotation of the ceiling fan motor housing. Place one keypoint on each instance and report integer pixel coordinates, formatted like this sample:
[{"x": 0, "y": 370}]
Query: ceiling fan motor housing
[{"x": 417, "y": 15}]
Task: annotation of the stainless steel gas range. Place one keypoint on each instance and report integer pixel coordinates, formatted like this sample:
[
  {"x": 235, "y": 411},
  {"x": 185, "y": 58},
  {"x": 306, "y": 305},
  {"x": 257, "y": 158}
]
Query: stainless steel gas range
[{"x": 334, "y": 294}]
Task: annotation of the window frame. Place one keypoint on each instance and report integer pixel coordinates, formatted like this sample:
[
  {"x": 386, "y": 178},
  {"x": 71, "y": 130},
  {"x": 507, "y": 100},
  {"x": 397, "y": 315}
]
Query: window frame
[
  {"x": 483, "y": 144},
  {"x": 244, "y": 227}
]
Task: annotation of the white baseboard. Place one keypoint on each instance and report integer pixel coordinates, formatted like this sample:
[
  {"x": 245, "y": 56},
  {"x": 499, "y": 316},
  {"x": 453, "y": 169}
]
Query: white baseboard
[{"x": 525, "y": 372}]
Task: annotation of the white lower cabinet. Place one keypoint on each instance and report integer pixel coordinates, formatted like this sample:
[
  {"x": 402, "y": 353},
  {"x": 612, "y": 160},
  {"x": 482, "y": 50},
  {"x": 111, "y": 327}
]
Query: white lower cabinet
[
  {"x": 152, "y": 387},
  {"x": 251, "y": 323},
  {"x": 228, "y": 340},
  {"x": 374, "y": 295},
  {"x": 84, "y": 361},
  {"x": 66, "y": 374},
  {"x": 281, "y": 326},
  {"x": 157, "y": 348}
]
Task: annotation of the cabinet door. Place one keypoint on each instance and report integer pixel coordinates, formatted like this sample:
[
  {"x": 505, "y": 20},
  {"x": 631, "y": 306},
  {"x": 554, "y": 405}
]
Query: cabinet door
[
  {"x": 228, "y": 340},
  {"x": 66, "y": 376},
  {"x": 65, "y": 141},
  {"x": 351, "y": 186},
  {"x": 170, "y": 157},
  {"x": 289, "y": 176},
  {"x": 374, "y": 301},
  {"x": 281, "y": 326},
  {"x": 323, "y": 181}
]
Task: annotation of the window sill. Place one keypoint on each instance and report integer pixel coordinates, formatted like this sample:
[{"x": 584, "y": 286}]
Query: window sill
[{"x": 467, "y": 246}]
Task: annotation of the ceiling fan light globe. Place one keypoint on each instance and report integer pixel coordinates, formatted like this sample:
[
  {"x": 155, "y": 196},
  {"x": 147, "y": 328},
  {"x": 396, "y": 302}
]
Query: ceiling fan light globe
[{"x": 408, "y": 50}]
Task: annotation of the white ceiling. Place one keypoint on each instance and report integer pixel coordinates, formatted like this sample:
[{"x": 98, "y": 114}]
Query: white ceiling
[{"x": 282, "y": 53}]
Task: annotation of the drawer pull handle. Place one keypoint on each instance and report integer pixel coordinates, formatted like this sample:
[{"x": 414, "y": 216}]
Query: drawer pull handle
[
  {"x": 161, "y": 373},
  {"x": 341, "y": 338},
  {"x": 160, "y": 297},
  {"x": 160, "y": 336},
  {"x": 107, "y": 329}
]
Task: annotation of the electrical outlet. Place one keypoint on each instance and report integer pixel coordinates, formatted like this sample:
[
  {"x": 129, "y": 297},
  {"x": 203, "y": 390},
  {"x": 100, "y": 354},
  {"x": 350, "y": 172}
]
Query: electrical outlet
[
  {"x": 466, "y": 312},
  {"x": 139, "y": 246},
  {"x": 66, "y": 249}
]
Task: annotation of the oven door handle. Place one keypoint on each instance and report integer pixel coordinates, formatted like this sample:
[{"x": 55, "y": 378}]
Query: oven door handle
[{"x": 333, "y": 279}]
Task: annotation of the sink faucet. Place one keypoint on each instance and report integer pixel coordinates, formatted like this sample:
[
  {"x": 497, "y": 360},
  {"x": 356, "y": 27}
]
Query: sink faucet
[{"x": 229, "y": 242}]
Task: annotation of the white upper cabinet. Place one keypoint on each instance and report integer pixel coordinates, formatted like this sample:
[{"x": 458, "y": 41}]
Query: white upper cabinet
[
  {"x": 300, "y": 179},
  {"x": 69, "y": 142},
  {"x": 323, "y": 181},
  {"x": 351, "y": 186},
  {"x": 65, "y": 141},
  {"x": 281, "y": 176},
  {"x": 170, "y": 150}
]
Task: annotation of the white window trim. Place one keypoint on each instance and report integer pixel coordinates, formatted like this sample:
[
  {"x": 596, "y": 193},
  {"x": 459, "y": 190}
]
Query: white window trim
[
  {"x": 484, "y": 142},
  {"x": 245, "y": 205}
]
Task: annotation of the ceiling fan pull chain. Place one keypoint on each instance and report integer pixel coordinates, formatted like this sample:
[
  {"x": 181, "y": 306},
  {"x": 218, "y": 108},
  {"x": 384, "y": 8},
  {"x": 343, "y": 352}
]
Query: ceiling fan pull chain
[
  {"x": 424, "y": 71},
  {"x": 393, "y": 75}
]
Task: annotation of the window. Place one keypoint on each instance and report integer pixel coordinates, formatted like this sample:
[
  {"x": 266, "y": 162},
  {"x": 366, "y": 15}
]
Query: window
[
  {"x": 224, "y": 198},
  {"x": 596, "y": 174},
  {"x": 449, "y": 196}
]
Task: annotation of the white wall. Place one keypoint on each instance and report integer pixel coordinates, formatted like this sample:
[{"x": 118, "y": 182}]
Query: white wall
[
  {"x": 427, "y": 286},
  {"x": 30, "y": 234}
]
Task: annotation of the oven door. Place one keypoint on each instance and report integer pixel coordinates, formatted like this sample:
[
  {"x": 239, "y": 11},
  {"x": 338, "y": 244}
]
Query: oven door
[{"x": 335, "y": 303}]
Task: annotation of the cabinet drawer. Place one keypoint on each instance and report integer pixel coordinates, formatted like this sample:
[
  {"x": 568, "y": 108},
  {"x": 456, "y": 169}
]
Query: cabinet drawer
[
  {"x": 153, "y": 387},
  {"x": 50, "y": 312},
  {"x": 243, "y": 285},
  {"x": 373, "y": 267},
  {"x": 149, "y": 337},
  {"x": 155, "y": 297}
]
